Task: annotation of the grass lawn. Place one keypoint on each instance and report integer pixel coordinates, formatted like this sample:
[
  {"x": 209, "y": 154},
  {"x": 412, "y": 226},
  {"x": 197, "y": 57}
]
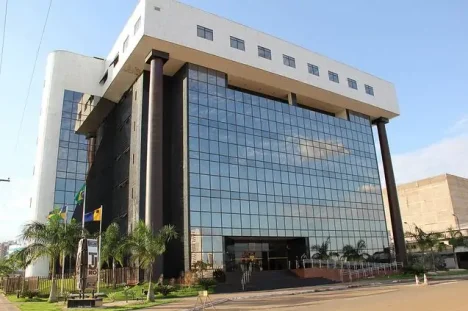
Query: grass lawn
[
  {"x": 35, "y": 304},
  {"x": 118, "y": 294},
  {"x": 41, "y": 304}
]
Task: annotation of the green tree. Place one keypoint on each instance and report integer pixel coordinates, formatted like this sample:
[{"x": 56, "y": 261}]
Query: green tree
[
  {"x": 426, "y": 241},
  {"x": 456, "y": 239},
  {"x": 113, "y": 248},
  {"x": 48, "y": 239},
  {"x": 20, "y": 261},
  {"x": 146, "y": 246},
  {"x": 6, "y": 267},
  {"x": 355, "y": 253},
  {"x": 321, "y": 251}
]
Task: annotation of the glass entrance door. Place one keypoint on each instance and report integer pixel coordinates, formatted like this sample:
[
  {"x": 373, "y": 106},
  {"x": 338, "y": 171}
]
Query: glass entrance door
[{"x": 262, "y": 254}]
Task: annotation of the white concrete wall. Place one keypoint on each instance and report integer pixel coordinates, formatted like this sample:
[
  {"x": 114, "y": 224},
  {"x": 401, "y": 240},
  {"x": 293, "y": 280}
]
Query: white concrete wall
[
  {"x": 64, "y": 71},
  {"x": 177, "y": 23}
]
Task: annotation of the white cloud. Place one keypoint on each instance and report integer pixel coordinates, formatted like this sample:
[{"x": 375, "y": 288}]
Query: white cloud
[
  {"x": 449, "y": 155},
  {"x": 14, "y": 207},
  {"x": 460, "y": 126}
]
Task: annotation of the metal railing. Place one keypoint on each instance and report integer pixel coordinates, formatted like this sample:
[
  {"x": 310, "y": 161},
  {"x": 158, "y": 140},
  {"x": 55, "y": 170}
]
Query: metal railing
[
  {"x": 349, "y": 269},
  {"x": 246, "y": 274}
]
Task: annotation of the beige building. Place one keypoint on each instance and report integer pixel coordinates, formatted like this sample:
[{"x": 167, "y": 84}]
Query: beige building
[{"x": 433, "y": 204}]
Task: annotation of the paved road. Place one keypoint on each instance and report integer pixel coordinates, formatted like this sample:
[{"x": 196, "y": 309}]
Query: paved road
[{"x": 441, "y": 296}]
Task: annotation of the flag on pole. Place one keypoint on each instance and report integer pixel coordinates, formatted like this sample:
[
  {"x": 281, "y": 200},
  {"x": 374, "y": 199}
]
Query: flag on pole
[
  {"x": 79, "y": 197},
  {"x": 62, "y": 212},
  {"x": 94, "y": 215}
]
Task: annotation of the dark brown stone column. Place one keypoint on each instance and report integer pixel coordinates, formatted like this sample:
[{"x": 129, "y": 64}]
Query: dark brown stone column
[
  {"x": 154, "y": 164},
  {"x": 394, "y": 206}
]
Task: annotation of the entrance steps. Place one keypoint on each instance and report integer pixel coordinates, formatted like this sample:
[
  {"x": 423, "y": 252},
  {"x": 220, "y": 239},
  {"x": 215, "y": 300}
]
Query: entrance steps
[{"x": 268, "y": 280}]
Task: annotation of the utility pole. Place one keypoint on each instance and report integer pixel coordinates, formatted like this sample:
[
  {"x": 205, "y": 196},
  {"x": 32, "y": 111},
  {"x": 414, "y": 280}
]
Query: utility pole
[{"x": 5, "y": 180}]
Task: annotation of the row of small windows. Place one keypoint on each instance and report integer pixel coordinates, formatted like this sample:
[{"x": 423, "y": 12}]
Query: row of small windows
[{"x": 289, "y": 61}]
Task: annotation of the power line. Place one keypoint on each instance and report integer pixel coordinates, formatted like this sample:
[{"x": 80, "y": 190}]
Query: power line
[
  {"x": 3, "y": 37},
  {"x": 32, "y": 75}
]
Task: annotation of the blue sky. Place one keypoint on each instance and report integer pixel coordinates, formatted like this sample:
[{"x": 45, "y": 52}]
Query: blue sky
[{"x": 420, "y": 46}]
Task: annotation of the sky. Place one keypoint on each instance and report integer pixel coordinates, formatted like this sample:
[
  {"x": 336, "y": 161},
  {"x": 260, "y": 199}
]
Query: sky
[{"x": 421, "y": 46}]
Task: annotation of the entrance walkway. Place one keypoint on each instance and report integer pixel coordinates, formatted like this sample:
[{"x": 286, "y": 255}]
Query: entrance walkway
[{"x": 6, "y": 305}]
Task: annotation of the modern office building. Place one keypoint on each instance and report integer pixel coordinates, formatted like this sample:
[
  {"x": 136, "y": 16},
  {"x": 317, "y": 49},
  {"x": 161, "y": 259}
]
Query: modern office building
[
  {"x": 251, "y": 146},
  {"x": 433, "y": 204}
]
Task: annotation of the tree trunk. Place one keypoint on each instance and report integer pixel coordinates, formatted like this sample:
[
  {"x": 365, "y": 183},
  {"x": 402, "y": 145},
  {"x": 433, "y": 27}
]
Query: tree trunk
[
  {"x": 150, "y": 296},
  {"x": 433, "y": 260},
  {"x": 53, "y": 287},
  {"x": 455, "y": 257},
  {"x": 113, "y": 272}
]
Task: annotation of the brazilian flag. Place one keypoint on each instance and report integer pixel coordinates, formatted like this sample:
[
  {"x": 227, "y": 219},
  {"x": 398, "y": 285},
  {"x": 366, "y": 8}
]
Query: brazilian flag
[{"x": 79, "y": 197}]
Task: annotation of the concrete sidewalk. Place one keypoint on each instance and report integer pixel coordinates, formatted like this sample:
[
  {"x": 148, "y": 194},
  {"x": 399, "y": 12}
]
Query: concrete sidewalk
[{"x": 6, "y": 305}]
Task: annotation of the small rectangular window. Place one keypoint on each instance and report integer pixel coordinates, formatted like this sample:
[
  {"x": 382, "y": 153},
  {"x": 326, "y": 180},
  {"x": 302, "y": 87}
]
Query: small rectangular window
[
  {"x": 369, "y": 89},
  {"x": 264, "y": 52},
  {"x": 205, "y": 33},
  {"x": 289, "y": 61},
  {"x": 333, "y": 76},
  {"x": 313, "y": 70},
  {"x": 115, "y": 61},
  {"x": 352, "y": 83},
  {"x": 125, "y": 45},
  {"x": 237, "y": 43},
  {"x": 137, "y": 25}
]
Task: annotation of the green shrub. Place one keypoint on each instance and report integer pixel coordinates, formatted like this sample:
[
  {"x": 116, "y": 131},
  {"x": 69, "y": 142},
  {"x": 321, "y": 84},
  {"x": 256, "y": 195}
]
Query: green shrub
[
  {"x": 164, "y": 289},
  {"x": 206, "y": 283},
  {"x": 414, "y": 269},
  {"x": 219, "y": 275},
  {"x": 29, "y": 294},
  {"x": 112, "y": 296}
]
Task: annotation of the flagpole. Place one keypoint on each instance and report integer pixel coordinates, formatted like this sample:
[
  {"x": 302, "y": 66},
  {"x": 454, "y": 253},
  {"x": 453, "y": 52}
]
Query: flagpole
[
  {"x": 63, "y": 253},
  {"x": 84, "y": 209},
  {"x": 99, "y": 250}
]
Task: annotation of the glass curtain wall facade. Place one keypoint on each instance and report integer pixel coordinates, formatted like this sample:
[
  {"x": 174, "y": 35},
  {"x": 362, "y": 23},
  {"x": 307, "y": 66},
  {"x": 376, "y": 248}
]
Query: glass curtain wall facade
[
  {"x": 259, "y": 167},
  {"x": 72, "y": 156}
]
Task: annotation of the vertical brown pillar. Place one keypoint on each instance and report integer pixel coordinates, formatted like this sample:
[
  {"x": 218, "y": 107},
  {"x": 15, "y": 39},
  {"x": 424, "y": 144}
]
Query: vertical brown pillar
[
  {"x": 394, "y": 206},
  {"x": 91, "y": 150},
  {"x": 154, "y": 158}
]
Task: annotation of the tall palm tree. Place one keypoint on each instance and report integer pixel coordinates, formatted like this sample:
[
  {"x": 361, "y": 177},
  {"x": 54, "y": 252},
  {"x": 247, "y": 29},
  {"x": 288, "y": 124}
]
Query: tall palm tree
[
  {"x": 355, "y": 253},
  {"x": 146, "y": 246},
  {"x": 46, "y": 240},
  {"x": 113, "y": 247},
  {"x": 321, "y": 251},
  {"x": 456, "y": 239}
]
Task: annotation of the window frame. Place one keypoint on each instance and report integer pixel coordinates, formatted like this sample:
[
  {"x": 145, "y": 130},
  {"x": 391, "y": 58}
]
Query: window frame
[
  {"x": 125, "y": 44},
  {"x": 289, "y": 61},
  {"x": 237, "y": 43},
  {"x": 137, "y": 25},
  {"x": 352, "y": 84},
  {"x": 265, "y": 51},
  {"x": 205, "y": 31},
  {"x": 369, "y": 89},
  {"x": 313, "y": 69},
  {"x": 332, "y": 75}
]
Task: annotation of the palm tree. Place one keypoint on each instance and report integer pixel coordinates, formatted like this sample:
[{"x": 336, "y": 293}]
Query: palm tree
[
  {"x": 455, "y": 239},
  {"x": 6, "y": 267},
  {"x": 355, "y": 253},
  {"x": 20, "y": 260},
  {"x": 146, "y": 247},
  {"x": 113, "y": 246},
  {"x": 321, "y": 251},
  {"x": 46, "y": 240},
  {"x": 425, "y": 241}
]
